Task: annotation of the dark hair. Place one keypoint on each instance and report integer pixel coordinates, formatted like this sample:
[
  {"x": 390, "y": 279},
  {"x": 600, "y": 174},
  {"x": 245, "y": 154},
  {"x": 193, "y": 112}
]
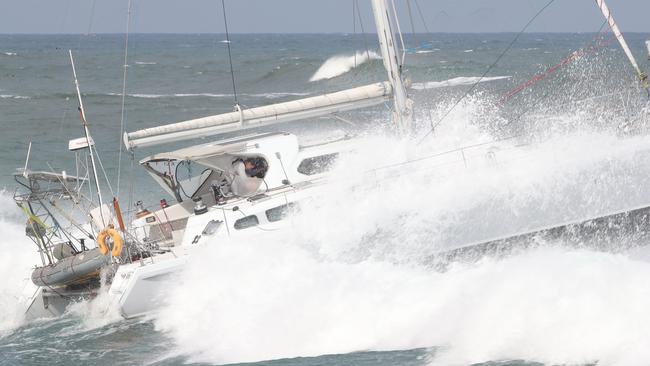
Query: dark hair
[{"x": 259, "y": 169}]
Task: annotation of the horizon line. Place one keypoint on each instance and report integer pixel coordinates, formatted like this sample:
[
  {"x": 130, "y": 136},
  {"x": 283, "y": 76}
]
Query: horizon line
[{"x": 293, "y": 33}]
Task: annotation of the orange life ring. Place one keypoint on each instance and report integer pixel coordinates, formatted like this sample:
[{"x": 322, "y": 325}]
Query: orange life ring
[{"x": 115, "y": 237}]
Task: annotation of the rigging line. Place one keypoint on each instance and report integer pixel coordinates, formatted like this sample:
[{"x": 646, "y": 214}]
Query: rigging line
[
  {"x": 90, "y": 24},
  {"x": 131, "y": 187},
  {"x": 399, "y": 31},
  {"x": 354, "y": 29},
  {"x": 84, "y": 122},
  {"x": 65, "y": 112},
  {"x": 408, "y": 6},
  {"x": 363, "y": 31},
  {"x": 417, "y": 6},
  {"x": 232, "y": 72},
  {"x": 64, "y": 19},
  {"x": 123, "y": 113},
  {"x": 92, "y": 17},
  {"x": 599, "y": 41},
  {"x": 446, "y": 152},
  {"x": 599, "y": 38},
  {"x": 471, "y": 89}
]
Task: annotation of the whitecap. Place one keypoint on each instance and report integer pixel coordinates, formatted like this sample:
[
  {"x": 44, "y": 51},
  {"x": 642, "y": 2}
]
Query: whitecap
[
  {"x": 456, "y": 82},
  {"x": 275, "y": 95},
  {"x": 340, "y": 64},
  {"x": 10, "y": 53},
  {"x": 9, "y": 96}
]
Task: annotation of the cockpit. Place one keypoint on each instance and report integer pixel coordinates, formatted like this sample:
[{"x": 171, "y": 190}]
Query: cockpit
[{"x": 238, "y": 167}]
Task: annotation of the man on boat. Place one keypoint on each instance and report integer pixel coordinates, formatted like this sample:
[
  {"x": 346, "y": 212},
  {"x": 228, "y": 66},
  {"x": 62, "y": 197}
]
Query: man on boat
[{"x": 248, "y": 175}]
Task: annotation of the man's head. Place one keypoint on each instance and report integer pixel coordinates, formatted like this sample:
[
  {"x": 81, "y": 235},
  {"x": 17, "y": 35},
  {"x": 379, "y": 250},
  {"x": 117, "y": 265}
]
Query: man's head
[{"x": 256, "y": 167}]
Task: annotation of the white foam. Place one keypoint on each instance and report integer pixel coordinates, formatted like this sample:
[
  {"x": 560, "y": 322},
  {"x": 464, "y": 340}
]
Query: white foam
[
  {"x": 98, "y": 312},
  {"x": 346, "y": 277},
  {"x": 268, "y": 301},
  {"x": 10, "y": 53},
  {"x": 340, "y": 64},
  {"x": 145, "y": 63},
  {"x": 468, "y": 51},
  {"x": 277, "y": 95},
  {"x": 9, "y": 96},
  {"x": 19, "y": 256},
  {"x": 462, "y": 80}
]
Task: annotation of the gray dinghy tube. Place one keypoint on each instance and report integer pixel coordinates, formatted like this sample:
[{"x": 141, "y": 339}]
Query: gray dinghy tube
[{"x": 71, "y": 270}]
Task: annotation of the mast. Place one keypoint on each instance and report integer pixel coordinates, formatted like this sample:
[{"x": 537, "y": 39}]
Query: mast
[
  {"x": 403, "y": 106},
  {"x": 82, "y": 114},
  {"x": 619, "y": 36}
]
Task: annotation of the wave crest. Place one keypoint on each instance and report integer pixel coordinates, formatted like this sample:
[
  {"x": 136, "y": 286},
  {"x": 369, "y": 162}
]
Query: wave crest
[{"x": 340, "y": 64}]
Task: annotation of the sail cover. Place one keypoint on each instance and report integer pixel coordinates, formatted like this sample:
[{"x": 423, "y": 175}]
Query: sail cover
[{"x": 349, "y": 99}]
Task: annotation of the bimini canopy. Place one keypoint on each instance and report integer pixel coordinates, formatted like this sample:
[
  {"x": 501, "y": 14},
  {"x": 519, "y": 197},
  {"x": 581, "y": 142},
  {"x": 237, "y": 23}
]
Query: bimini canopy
[
  {"x": 173, "y": 170},
  {"x": 204, "y": 152}
]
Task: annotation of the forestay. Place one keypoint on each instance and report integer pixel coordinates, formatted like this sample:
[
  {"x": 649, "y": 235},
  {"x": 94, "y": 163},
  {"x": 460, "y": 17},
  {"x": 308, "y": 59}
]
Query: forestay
[
  {"x": 619, "y": 36},
  {"x": 349, "y": 99}
]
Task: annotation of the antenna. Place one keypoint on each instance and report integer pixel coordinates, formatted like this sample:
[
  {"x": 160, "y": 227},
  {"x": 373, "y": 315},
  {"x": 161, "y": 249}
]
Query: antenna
[
  {"x": 29, "y": 151},
  {"x": 82, "y": 114},
  {"x": 232, "y": 72}
]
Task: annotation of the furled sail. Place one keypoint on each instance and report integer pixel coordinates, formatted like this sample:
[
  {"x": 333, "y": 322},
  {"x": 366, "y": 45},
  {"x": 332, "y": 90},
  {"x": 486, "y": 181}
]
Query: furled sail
[{"x": 345, "y": 100}]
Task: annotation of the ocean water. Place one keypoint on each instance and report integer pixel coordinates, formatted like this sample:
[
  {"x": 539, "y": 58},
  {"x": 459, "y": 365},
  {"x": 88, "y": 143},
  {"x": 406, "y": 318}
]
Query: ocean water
[{"x": 347, "y": 284}]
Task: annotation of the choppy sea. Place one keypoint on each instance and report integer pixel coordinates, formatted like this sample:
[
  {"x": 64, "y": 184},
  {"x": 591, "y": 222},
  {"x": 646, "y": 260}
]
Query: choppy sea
[{"x": 347, "y": 286}]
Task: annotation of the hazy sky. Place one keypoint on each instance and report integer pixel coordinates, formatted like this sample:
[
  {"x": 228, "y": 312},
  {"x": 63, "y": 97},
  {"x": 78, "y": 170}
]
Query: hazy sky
[{"x": 308, "y": 16}]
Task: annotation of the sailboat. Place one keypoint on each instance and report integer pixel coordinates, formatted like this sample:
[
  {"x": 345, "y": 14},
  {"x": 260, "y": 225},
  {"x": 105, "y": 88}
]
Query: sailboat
[
  {"x": 209, "y": 206},
  {"x": 256, "y": 179}
]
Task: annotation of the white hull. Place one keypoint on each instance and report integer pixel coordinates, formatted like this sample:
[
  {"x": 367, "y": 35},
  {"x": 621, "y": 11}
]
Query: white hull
[{"x": 139, "y": 289}]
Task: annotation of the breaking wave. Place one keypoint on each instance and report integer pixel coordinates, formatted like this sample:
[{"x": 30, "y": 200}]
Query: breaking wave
[
  {"x": 340, "y": 64},
  {"x": 551, "y": 305},
  {"x": 354, "y": 275},
  {"x": 15, "y": 264},
  {"x": 9, "y": 96}
]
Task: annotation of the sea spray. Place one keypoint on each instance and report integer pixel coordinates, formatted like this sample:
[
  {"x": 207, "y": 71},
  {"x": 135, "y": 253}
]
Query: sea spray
[
  {"x": 269, "y": 300},
  {"x": 457, "y": 81},
  {"x": 353, "y": 273},
  {"x": 18, "y": 258},
  {"x": 99, "y": 311},
  {"x": 339, "y": 65}
]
